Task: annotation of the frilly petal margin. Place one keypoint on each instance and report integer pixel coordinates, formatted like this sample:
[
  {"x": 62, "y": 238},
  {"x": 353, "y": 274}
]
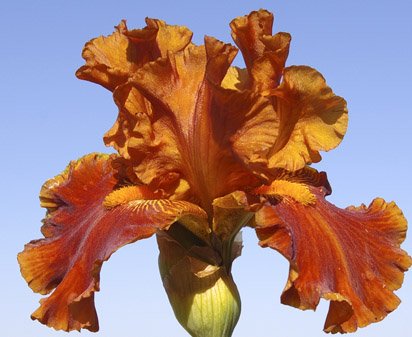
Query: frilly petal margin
[
  {"x": 81, "y": 233},
  {"x": 309, "y": 116},
  {"x": 264, "y": 54},
  {"x": 312, "y": 118},
  {"x": 191, "y": 134},
  {"x": 111, "y": 60},
  {"x": 351, "y": 256}
]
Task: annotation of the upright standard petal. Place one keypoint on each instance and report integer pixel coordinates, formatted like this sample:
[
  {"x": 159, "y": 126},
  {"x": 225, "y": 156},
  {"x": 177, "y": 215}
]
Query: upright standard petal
[
  {"x": 351, "y": 256},
  {"x": 311, "y": 118},
  {"x": 190, "y": 134},
  {"x": 308, "y": 117},
  {"x": 83, "y": 227},
  {"x": 111, "y": 60},
  {"x": 265, "y": 54}
]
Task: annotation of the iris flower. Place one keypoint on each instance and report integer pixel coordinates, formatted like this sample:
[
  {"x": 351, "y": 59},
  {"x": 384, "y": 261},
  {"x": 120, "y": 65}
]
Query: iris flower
[{"x": 204, "y": 150}]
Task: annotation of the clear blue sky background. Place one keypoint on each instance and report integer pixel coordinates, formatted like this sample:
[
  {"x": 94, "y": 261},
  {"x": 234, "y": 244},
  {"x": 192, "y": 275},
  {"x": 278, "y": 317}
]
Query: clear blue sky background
[{"x": 48, "y": 117}]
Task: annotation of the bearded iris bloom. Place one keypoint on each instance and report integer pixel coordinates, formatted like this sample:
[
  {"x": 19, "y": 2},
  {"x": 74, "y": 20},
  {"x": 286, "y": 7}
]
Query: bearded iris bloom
[{"x": 204, "y": 150}]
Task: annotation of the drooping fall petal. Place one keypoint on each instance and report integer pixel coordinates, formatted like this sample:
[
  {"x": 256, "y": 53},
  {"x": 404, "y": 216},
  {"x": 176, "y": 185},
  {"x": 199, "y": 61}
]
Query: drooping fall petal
[
  {"x": 83, "y": 227},
  {"x": 350, "y": 256}
]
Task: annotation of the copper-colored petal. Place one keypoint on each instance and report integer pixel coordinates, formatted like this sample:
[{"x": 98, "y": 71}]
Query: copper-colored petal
[
  {"x": 143, "y": 137},
  {"x": 190, "y": 133},
  {"x": 265, "y": 55},
  {"x": 350, "y": 256},
  {"x": 247, "y": 32},
  {"x": 307, "y": 116},
  {"x": 132, "y": 122},
  {"x": 167, "y": 39},
  {"x": 249, "y": 123},
  {"x": 312, "y": 118},
  {"x": 111, "y": 60},
  {"x": 81, "y": 233}
]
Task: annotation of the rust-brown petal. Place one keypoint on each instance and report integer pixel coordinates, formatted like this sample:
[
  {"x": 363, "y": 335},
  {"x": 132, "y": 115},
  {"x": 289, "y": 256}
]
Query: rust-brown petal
[
  {"x": 248, "y": 121},
  {"x": 351, "y": 256},
  {"x": 191, "y": 133},
  {"x": 111, "y": 60},
  {"x": 265, "y": 54},
  {"x": 81, "y": 232}
]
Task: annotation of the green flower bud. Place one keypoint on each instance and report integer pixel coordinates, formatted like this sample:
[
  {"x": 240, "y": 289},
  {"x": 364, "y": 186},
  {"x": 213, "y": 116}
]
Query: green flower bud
[{"x": 203, "y": 296}]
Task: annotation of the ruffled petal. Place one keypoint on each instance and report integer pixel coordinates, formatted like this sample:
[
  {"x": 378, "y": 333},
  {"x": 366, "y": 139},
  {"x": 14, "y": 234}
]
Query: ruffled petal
[
  {"x": 307, "y": 116},
  {"x": 232, "y": 126},
  {"x": 111, "y": 60},
  {"x": 190, "y": 134},
  {"x": 351, "y": 256},
  {"x": 311, "y": 119},
  {"x": 265, "y": 55},
  {"x": 83, "y": 227}
]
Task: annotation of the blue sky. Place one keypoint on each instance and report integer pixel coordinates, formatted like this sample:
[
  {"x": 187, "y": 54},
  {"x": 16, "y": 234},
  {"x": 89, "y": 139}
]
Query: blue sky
[{"x": 49, "y": 117}]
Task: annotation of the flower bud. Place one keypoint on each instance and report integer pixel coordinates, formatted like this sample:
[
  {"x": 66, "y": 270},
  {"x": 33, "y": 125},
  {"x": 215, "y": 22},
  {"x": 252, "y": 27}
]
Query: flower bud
[{"x": 203, "y": 296}]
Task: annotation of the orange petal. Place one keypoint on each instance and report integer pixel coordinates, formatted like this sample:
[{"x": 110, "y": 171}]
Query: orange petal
[
  {"x": 351, "y": 257},
  {"x": 307, "y": 116},
  {"x": 190, "y": 134},
  {"x": 111, "y": 60},
  {"x": 265, "y": 55},
  {"x": 81, "y": 233},
  {"x": 312, "y": 119},
  {"x": 107, "y": 61},
  {"x": 250, "y": 125}
]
